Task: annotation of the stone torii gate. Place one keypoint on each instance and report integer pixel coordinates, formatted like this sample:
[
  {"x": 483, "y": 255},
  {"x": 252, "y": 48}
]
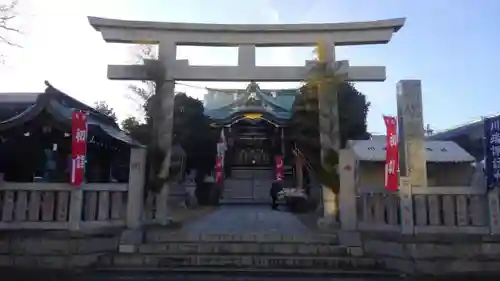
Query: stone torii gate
[{"x": 247, "y": 38}]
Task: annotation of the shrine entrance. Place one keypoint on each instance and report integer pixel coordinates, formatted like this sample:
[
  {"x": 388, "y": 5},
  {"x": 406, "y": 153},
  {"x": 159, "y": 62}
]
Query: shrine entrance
[
  {"x": 252, "y": 143},
  {"x": 248, "y": 185},
  {"x": 250, "y": 168}
]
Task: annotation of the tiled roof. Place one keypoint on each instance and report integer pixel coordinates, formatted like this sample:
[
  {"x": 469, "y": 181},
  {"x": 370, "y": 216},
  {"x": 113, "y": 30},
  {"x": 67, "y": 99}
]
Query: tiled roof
[
  {"x": 19, "y": 108},
  {"x": 436, "y": 151},
  {"x": 275, "y": 103}
]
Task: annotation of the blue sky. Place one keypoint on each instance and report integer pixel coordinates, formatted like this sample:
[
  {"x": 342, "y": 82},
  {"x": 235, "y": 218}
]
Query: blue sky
[{"x": 450, "y": 45}]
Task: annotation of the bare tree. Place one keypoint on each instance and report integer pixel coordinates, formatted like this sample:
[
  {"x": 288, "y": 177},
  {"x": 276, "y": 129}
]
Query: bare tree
[
  {"x": 142, "y": 94},
  {"x": 104, "y": 108},
  {"x": 8, "y": 12}
]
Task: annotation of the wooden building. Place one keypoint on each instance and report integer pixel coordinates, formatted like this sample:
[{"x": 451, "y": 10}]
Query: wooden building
[
  {"x": 255, "y": 123},
  {"x": 35, "y": 139}
]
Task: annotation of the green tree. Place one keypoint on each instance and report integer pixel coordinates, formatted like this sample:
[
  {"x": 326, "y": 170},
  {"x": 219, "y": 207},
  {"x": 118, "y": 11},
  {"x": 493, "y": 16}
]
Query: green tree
[
  {"x": 105, "y": 109},
  {"x": 191, "y": 128},
  {"x": 353, "y": 110},
  {"x": 129, "y": 124},
  {"x": 193, "y": 132},
  {"x": 138, "y": 130}
]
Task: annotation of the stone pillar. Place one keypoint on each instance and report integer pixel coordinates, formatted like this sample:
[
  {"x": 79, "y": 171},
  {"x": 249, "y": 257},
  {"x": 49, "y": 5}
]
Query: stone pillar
[
  {"x": 494, "y": 211},
  {"x": 165, "y": 95},
  {"x": 75, "y": 208},
  {"x": 165, "y": 127},
  {"x": 411, "y": 132},
  {"x": 135, "y": 195},
  {"x": 413, "y": 162},
  {"x": 132, "y": 236},
  {"x": 328, "y": 127},
  {"x": 347, "y": 196},
  {"x": 246, "y": 55},
  {"x": 406, "y": 205}
]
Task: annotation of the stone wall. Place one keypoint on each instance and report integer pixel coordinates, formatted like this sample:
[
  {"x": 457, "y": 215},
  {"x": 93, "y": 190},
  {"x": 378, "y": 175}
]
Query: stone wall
[
  {"x": 435, "y": 254},
  {"x": 55, "y": 249}
]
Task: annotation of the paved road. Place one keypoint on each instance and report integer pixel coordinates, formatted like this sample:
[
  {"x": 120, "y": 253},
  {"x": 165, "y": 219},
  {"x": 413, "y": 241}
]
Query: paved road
[{"x": 248, "y": 219}]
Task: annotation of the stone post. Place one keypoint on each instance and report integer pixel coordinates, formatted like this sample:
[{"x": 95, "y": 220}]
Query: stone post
[
  {"x": 348, "y": 193},
  {"x": 413, "y": 162},
  {"x": 348, "y": 197},
  {"x": 132, "y": 236},
  {"x": 75, "y": 208},
  {"x": 406, "y": 206},
  {"x": 135, "y": 195},
  {"x": 494, "y": 211}
]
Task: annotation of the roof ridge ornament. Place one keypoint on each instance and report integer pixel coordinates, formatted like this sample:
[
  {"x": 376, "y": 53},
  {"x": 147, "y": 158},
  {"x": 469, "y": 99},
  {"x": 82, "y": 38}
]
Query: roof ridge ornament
[{"x": 252, "y": 87}]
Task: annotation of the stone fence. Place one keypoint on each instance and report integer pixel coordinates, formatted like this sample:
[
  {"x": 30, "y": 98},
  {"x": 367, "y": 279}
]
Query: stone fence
[
  {"x": 60, "y": 206},
  {"x": 412, "y": 210},
  {"x": 431, "y": 230},
  {"x": 79, "y": 224},
  {"x": 89, "y": 207}
]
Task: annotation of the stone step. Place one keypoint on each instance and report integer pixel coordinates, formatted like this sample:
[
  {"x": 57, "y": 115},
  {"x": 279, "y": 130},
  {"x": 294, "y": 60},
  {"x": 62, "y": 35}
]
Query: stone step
[
  {"x": 232, "y": 274},
  {"x": 240, "y": 195},
  {"x": 243, "y": 201},
  {"x": 155, "y": 235},
  {"x": 252, "y": 174},
  {"x": 138, "y": 260},
  {"x": 239, "y": 248}
]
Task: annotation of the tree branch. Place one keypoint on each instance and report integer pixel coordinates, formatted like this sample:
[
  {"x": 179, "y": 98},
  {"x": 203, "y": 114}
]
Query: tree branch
[{"x": 7, "y": 14}]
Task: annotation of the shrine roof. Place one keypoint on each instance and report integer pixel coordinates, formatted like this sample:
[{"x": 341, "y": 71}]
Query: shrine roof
[
  {"x": 17, "y": 109},
  {"x": 227, "y": 105},
  {"x": 436, "y": 151}
]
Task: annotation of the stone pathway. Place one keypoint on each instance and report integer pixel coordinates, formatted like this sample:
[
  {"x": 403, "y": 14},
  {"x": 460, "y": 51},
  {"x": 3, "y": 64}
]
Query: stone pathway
[{"x": 248, "y": 219}]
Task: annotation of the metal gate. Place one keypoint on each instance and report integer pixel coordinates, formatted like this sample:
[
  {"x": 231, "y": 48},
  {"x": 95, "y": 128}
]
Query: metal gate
[{"x": 248, "y": 186}]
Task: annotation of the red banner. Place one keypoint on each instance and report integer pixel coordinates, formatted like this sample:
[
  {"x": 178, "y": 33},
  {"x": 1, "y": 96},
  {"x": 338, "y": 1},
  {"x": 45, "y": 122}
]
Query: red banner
[
  {"x": 218, "y": 170},
  {"x": 78, "y": 147},
  {"x": 391, "y": 154},
  {"x": 280, "y": 173}
]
